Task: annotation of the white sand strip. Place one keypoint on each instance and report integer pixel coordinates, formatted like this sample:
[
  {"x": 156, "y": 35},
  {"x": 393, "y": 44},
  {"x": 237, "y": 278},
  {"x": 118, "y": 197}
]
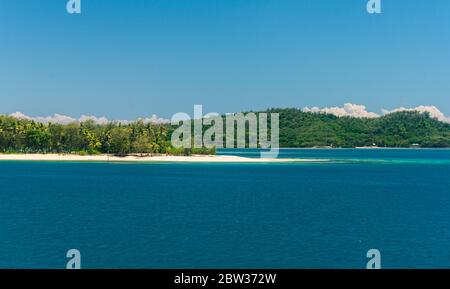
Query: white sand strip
[{"x": 110, "y": 158}]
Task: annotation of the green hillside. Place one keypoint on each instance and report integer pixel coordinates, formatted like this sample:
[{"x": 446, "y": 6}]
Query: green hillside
[
  {"x": 297, "y": 129},
  {"x": 400, "y": 129}
]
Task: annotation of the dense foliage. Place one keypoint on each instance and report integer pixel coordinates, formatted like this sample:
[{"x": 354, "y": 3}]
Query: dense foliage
[
  {"x": 297, "y": 129},
  {"x": 400, "y": 129},
  {"x": 26, "y": 136}
]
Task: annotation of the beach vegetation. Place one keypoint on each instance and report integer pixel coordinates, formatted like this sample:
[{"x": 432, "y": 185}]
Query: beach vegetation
[
  {"x": 87, "y": 138},
  {"x": 297, "y": 129}
]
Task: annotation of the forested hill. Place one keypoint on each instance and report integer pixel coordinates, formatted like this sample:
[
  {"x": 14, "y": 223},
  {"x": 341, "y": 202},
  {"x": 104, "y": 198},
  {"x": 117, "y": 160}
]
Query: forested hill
[
  {"x": 400, "y": 129},
  {"x": 297, "y": 129}
]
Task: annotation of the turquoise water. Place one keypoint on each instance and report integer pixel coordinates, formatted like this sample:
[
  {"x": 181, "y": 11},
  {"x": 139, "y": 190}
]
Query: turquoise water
[
  {"x": 287, "y": 215},
  {"x": 391, "y": 155}
]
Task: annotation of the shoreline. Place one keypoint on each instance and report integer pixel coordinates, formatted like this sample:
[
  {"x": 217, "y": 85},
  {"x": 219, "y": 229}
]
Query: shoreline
[
  {"x": 359, "y": 148},
  {"x": 148, "y": 159}
]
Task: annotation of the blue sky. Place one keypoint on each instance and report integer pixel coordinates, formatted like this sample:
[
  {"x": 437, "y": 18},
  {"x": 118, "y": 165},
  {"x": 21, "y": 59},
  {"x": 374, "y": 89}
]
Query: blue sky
[{"x": 128, "y": 59}]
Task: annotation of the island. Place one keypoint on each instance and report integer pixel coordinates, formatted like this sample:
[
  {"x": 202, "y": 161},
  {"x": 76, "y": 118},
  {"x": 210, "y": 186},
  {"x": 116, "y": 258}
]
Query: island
[{"x": 147, "y": 141}]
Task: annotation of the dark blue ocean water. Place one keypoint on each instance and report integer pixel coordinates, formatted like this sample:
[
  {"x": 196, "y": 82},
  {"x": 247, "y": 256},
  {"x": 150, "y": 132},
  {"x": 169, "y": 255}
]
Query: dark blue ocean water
[{"x": 286, "y": 215}]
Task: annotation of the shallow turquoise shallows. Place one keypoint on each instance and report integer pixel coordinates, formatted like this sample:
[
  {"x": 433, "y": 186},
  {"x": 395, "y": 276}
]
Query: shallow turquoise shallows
[{"x": 260, "y": 215}]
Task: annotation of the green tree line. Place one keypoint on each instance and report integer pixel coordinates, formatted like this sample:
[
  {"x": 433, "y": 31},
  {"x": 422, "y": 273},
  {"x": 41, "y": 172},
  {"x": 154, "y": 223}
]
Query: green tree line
[
  {"x": 297, "y": 129},
  {"x": 400, "y": 129},
  {"x": 27, "y": 136}
]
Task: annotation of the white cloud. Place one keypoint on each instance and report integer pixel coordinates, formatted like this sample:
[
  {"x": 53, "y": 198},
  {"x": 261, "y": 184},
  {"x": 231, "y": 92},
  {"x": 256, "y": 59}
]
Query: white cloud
[
  {"x": 432, "y": 110},
  {"x": 349, "y": 109},
  {"x": 355, "y": 110},
  {"x": 20, "y": 115},
  {"x": 97, "y": 120},
  {"x": 155, "y": 119},
  {"x": 64, "y": 119},
  {"x": 56, "y": 118}
]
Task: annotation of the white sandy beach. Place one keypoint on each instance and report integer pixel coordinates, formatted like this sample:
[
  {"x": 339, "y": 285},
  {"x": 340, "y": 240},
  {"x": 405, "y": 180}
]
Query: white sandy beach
[{"x": 110, "y": 158}]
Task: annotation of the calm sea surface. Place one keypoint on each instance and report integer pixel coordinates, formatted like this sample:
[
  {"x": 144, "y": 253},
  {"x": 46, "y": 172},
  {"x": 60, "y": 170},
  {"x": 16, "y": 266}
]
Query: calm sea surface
[{"x": 289, "y": 215}]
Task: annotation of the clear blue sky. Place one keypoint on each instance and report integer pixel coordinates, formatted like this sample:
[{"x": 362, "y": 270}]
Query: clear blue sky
[{"x": 127, "y": 59}]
